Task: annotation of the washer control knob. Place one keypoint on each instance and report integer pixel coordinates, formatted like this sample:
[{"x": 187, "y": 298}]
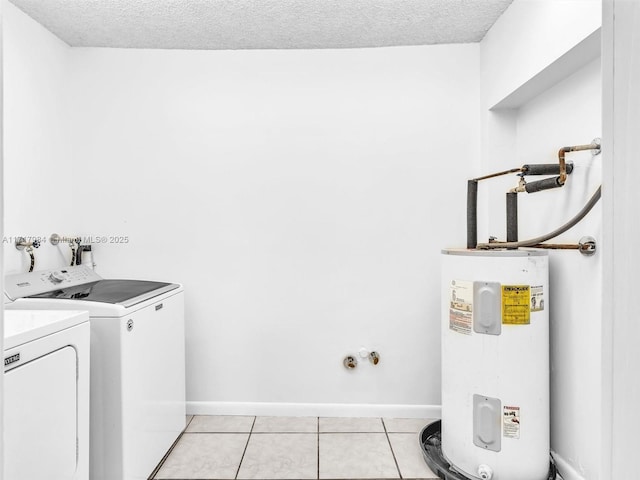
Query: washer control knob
[{"x": 56, "y": 277}]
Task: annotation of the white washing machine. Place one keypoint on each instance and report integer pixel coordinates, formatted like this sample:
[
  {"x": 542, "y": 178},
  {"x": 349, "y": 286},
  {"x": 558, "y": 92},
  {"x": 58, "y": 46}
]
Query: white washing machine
[
  {"x": 46, "y": 395},
  {"x": 137, "y": 362}
]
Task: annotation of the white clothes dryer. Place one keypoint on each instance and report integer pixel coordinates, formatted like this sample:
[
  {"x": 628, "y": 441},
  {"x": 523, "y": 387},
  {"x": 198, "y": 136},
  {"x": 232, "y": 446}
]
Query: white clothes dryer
[
  {"x": 137, "y": 362},
  {"x": 46, "y": 395}
]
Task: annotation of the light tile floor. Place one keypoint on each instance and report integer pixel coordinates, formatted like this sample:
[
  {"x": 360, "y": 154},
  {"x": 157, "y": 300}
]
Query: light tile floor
[{"x": 300, "y": 448}]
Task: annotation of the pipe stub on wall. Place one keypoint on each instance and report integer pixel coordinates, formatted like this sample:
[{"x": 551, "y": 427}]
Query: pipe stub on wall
[
  {"x": 350, "y": 362},
  {"x": 587, "y": 246}
]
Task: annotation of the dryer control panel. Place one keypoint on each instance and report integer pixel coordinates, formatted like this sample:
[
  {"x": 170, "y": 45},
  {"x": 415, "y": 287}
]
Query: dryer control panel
[{"x": 33, "y": 283}]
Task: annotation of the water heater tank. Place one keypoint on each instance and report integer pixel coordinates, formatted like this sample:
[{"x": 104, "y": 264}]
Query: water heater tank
[{"x": 495, "y": 363}]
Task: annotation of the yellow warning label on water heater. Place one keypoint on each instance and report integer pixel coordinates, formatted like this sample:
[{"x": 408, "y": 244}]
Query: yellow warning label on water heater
[{"x": 516, "y": 304}]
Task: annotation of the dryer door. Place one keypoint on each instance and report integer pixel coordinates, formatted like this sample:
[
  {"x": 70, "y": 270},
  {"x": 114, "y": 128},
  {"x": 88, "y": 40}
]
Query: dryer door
[{"x": 41, "y": 417}]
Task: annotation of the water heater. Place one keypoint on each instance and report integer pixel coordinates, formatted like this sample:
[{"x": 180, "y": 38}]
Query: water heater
[{"x": 495, "y": 363}]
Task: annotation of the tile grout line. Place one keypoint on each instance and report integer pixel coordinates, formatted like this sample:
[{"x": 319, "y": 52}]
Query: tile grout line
[
  {"x": 318, "y": 435},
  {"x": 164, "y": 459},
  {"x": 393, "y": 454},
  {"x": 245, "y": 447},
  {"x": 166, "y": 455},
  {"x": 284, "y": 433}
]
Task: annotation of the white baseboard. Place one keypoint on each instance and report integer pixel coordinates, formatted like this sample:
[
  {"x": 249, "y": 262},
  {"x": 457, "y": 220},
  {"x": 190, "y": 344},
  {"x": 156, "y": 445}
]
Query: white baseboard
[
  {"x": 565, "y": 469},
  {"x": 313, "y": 409}
]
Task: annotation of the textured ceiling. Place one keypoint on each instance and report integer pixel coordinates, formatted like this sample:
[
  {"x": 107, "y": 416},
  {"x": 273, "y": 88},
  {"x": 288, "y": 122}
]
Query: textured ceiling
[{"x": 249, "y": 24}]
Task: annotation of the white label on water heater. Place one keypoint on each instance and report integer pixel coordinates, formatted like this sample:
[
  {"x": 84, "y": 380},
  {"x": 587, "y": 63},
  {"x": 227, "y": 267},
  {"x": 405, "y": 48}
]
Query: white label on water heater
[
  {"x": 511, "y": 422},
  {"x": 461, "y": 306},
  {"x": 537, "y": 298}
]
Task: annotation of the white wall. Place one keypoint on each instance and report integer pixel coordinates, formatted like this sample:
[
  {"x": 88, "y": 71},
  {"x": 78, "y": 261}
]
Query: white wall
[
  {"x": 298, "y": 195},
  {"x": 567, "y": 113},
  {"x": 38, "y": 168},
  {"x": 302, "y": 197}
]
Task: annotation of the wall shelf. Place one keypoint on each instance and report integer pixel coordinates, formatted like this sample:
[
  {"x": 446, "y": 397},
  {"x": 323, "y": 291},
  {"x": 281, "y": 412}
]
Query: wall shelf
[{"x": 580, "y": 55}]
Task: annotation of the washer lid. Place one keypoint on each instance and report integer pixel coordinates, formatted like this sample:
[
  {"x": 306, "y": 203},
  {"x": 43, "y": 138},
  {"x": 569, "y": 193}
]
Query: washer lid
[{"x": 120, "y": 292}]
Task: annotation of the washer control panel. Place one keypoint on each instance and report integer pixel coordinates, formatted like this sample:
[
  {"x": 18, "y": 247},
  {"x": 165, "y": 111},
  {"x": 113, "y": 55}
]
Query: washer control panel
[{"x": 33, "y": 283}]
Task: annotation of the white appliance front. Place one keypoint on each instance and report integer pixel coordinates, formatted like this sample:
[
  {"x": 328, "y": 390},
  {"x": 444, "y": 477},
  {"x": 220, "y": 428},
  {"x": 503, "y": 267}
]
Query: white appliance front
[
  {"x": 137, "y": 376},
  {"x": 495, "y": 363},
  {"x": 140, "y": 382},
  {"x": 46, "y": 395}
]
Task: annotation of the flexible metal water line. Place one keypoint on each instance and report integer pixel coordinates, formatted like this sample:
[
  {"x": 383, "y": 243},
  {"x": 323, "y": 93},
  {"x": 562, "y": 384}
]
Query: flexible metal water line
[
  {"x": 73, "y": 254},
  {"x": 534, "y": 241},
  {"x": 32, "y": 258},
  {"x": 28, "y": 246}
]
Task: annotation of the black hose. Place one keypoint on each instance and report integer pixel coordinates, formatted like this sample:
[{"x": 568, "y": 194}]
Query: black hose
[
  {"x": 545, "y": 168},
  {"x": 512, "y": 217},
  {"x": 529, "y": 243},
  {"x": 472, "y": 214},
  {"x": 539, "y": 185}
]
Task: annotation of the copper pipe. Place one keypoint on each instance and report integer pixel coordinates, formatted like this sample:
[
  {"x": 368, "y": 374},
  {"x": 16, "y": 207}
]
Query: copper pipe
[
  {"x": 558, "y": 246},
  {"x": 586, "y": 248},
  {"x": 576, "y": 148},
  {"x": 506, "y": 172}
]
